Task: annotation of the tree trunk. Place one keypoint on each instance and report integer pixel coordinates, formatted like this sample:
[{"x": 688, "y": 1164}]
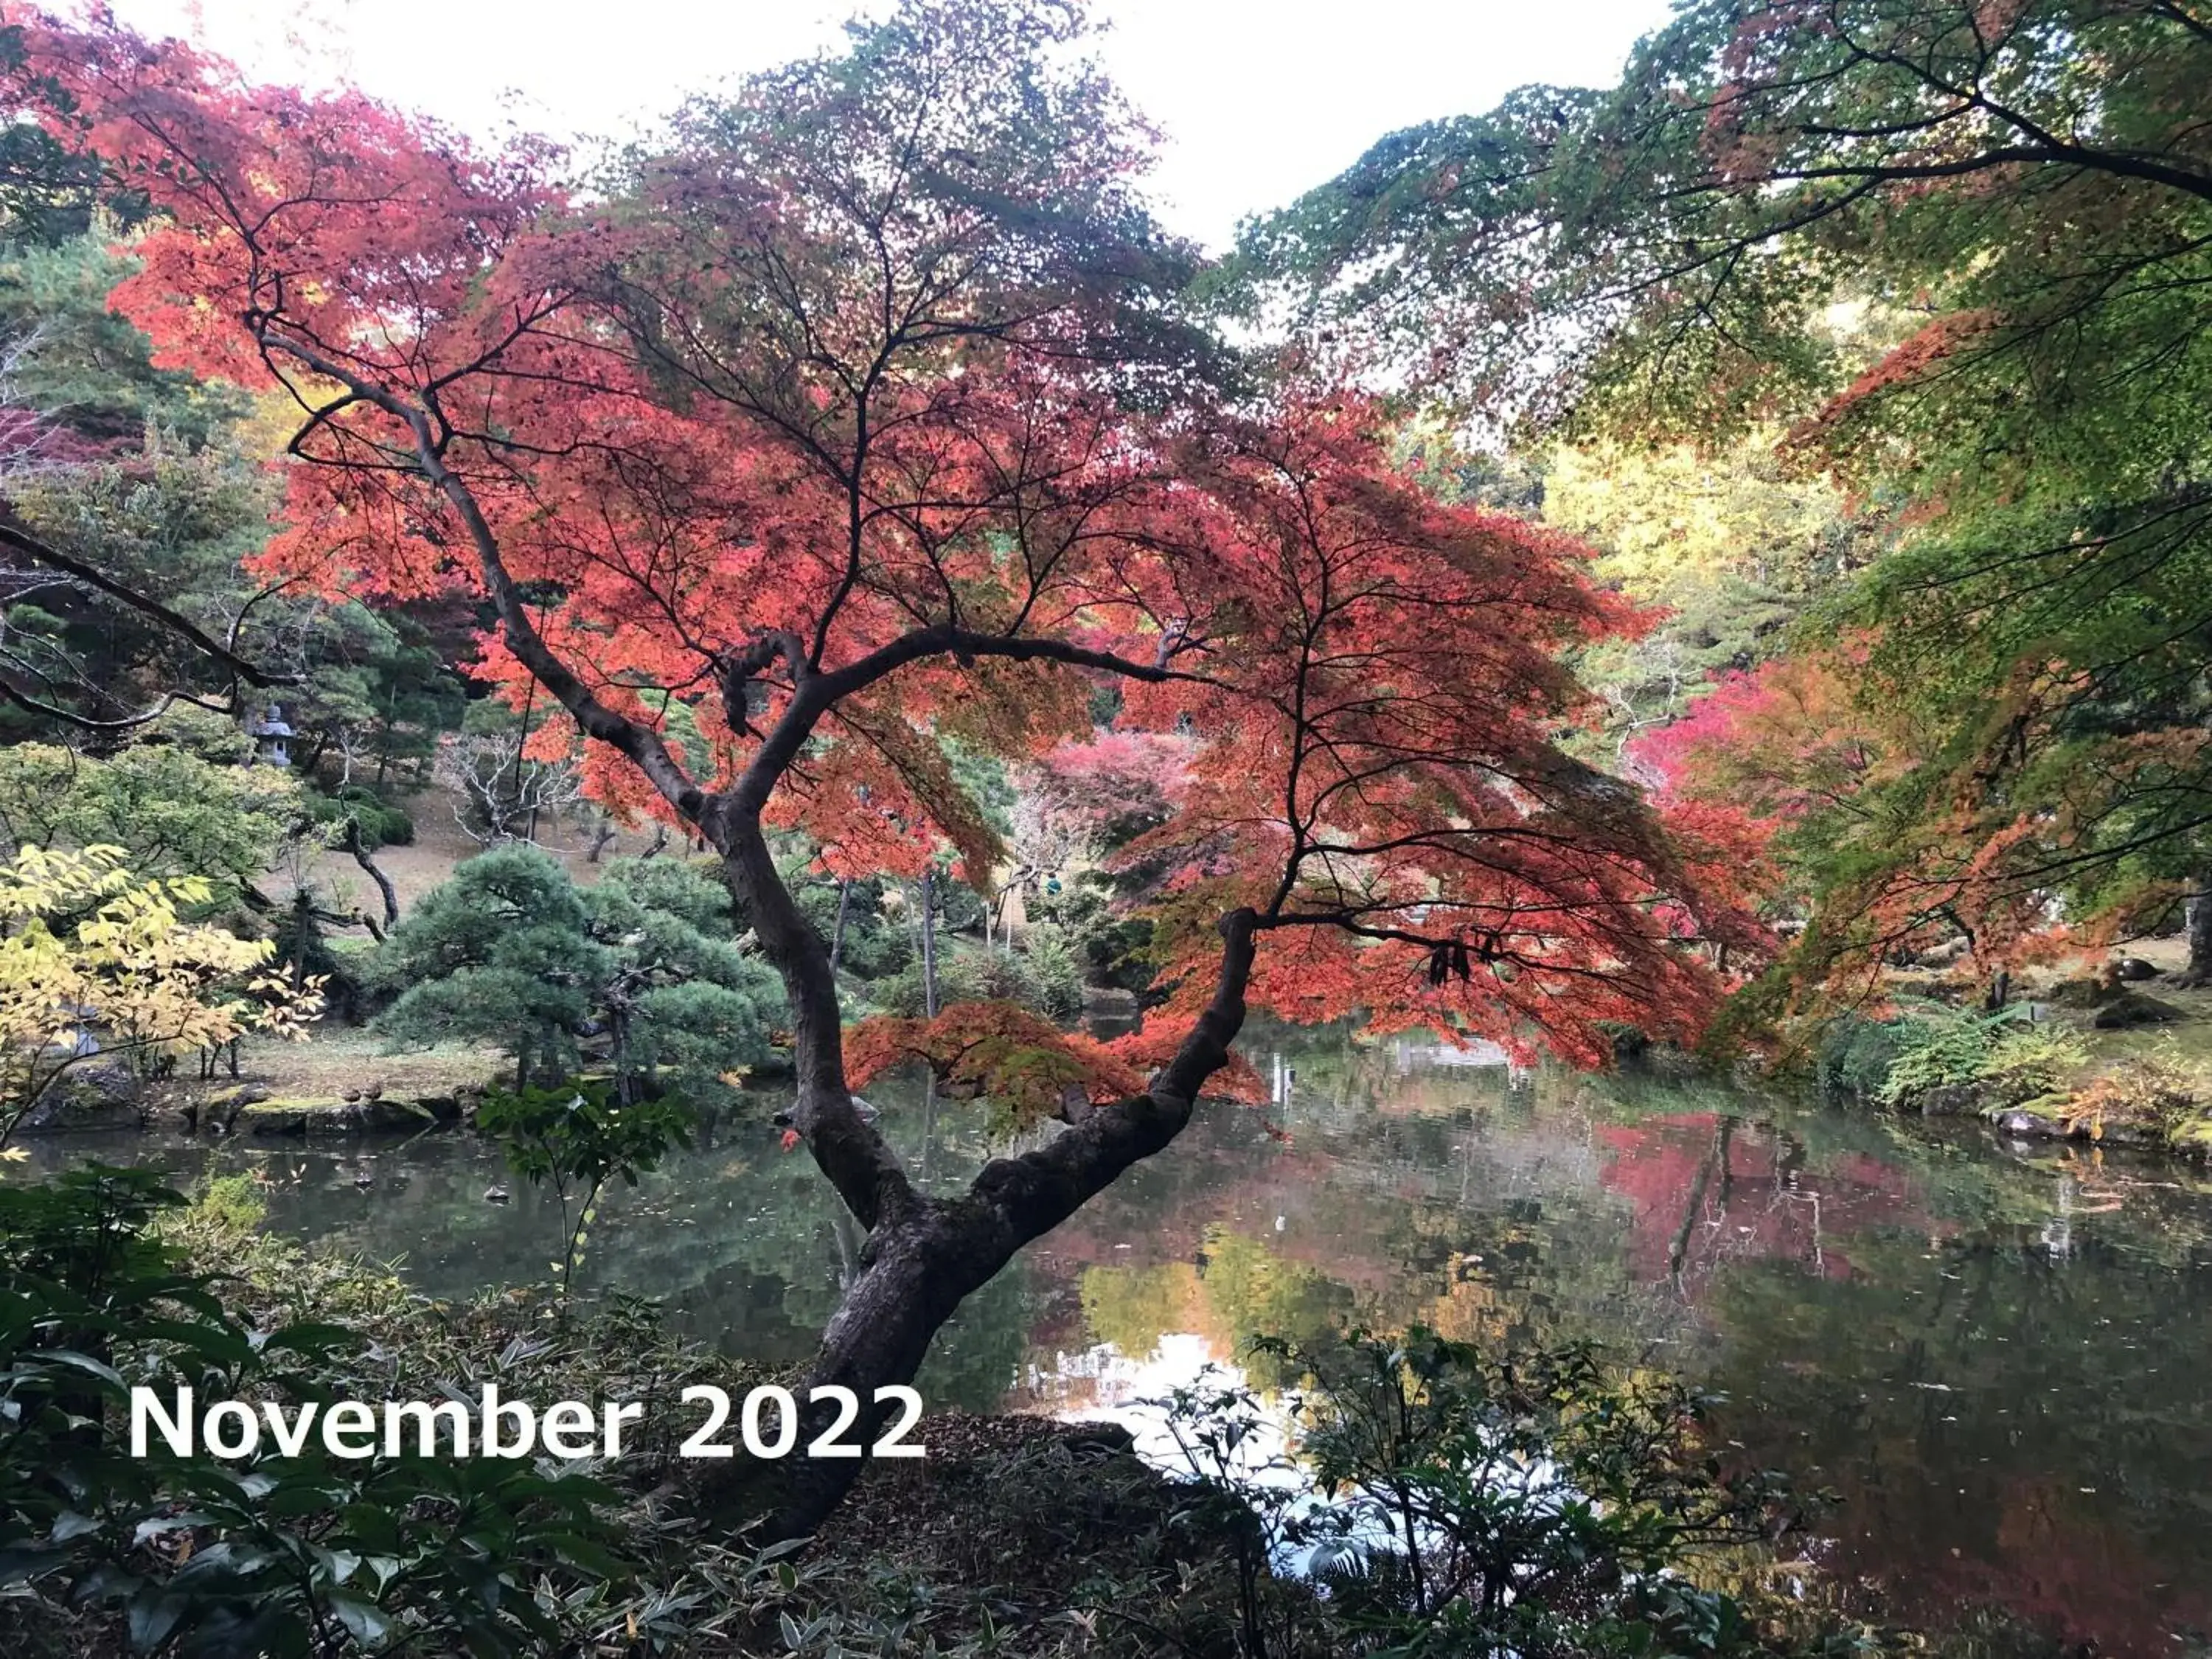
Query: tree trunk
[
  {"x": 303, "y": 937},
  {"x": 837, "y": 938},
  {"x": 929, "y": 944},
  {"x": 923, "y": 1255},
  {"x": 359, "y": 851},
  {"x": 1999, "y": 993},
  {"x": 2199, "y": 971}
]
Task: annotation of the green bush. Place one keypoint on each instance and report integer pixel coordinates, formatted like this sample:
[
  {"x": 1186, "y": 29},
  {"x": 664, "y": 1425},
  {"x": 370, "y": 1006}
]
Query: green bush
[
  {"x": 2006, "y": 1058},
  {"x": 1942, "y": 1048},
  {"x": 1113, "y": 949},
  {"x": 1051, "y": 962},
  {"x": 382, "y": 823},
  {"x": 995, "y": 975},
  {"x": 204, "y": 1559}
]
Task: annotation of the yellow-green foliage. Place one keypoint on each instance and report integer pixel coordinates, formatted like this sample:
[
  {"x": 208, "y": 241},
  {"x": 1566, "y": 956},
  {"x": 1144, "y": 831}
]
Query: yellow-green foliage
[
  {"x": 88, "y": 950},
  {"x": 2029, "y": 1064},
  {"x": 231, "y": 1203},
  {"x": 1660, "y": 514},
  {"x": 173, "y": 811}
]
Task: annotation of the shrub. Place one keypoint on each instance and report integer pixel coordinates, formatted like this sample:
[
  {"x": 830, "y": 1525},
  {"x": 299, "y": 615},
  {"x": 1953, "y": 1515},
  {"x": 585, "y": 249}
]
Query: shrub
[
  {"x": 1051, "y": 958},
  {"x": 1856, "y": 1053},
  {"x": 2157, "y": 1092},
  {"x": 2030, "y": 1065},
  {"x": 1112, "y": 949},
  {"x": 382, "y": 823},
  {"x": 204, "y": 1559},
  {"x": 962, "y": 975},
  {"x": 2005, "y": 1059},
  {"x": 1943, "y": 1048},
  {"x": 1532, "y": 1502}
]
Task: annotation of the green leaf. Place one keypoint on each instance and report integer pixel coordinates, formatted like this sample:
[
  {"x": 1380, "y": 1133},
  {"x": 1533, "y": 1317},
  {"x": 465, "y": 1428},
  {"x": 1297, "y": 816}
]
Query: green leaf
[
  {"x": 365, "y": 1622},
  {"x": 153, "y": 1618}
]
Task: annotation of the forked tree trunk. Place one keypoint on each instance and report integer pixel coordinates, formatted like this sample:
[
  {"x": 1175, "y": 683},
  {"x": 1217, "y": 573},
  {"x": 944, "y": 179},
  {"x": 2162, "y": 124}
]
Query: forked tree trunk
[
  {"x": 923, "y": 1256},
  {"x": 359, "y": 848}
]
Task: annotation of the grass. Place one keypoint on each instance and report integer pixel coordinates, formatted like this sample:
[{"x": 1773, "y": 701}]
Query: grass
[{"x": 338, "y": 1058}]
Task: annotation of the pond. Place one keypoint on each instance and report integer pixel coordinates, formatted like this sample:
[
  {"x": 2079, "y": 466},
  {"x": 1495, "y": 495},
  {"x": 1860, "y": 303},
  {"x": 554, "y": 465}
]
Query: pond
[{"x": 1999, "y": 1358}]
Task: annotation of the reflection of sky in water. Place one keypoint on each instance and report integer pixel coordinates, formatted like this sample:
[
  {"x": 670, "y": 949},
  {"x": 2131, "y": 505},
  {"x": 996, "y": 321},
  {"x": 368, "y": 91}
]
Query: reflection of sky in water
[
  {"x": 1999, "y": 1356},
  {"x": 1138, "y": 1393},
  {"x": 1115, "y": 1387}
]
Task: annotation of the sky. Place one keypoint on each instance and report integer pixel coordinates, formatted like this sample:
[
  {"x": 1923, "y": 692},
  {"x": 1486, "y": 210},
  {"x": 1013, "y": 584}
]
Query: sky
[{"x": 1259, "y": 100}]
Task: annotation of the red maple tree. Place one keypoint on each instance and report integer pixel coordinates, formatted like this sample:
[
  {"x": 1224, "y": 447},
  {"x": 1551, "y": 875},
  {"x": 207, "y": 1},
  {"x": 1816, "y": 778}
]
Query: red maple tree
[{"x": 860, "y": 418}]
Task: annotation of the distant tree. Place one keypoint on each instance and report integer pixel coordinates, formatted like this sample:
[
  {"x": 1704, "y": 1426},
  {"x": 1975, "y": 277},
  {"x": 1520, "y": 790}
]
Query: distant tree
[
  {"x": 641, "y": 969},
  {"x": 1729, "y": 542},
  {"x": 174, "y": 812},
  {"x": 88, "y": 372},
  {"x": 1964, "y": 252},
  {"x": 502, "y": 778},
  {"x": 95, "y": 961}
]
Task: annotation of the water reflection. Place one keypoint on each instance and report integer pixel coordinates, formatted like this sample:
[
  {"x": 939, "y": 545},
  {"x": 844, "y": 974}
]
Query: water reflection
[{"x": 2000, "y": 1361}]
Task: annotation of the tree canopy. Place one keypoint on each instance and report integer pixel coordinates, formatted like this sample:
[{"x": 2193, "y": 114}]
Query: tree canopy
[{"x": 1956, "y": 255}]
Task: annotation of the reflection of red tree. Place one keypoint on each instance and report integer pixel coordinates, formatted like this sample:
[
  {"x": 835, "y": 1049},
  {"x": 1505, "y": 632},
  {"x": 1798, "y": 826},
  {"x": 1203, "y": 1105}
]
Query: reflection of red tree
[
  {"x": 2039, "y": 1548},
  {"x": 1238, "y": 1192},
  {"x": 1706, "y": 1190}
]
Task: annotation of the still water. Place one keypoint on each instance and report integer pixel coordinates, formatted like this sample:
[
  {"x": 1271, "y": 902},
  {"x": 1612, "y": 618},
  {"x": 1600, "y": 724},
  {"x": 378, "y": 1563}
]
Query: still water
[{"x": 1999, "y": 1357}]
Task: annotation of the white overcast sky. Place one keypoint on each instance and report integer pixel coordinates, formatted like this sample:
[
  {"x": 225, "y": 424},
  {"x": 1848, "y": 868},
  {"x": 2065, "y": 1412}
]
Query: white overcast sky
[{"x": 1260, "y": 99}]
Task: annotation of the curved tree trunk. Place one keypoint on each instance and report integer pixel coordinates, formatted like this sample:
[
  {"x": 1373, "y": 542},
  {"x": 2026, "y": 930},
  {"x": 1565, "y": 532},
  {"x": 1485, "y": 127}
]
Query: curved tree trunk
[
  {"x": 924, "y": 1256},
  {"x": 354, "y": 845}
]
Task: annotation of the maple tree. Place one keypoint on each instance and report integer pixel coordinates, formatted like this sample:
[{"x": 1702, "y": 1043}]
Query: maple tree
[
  {"x": 1836, "y": 797},
  {"x": 1958, "y": 253},
  {"x": 862, "y": 419}
]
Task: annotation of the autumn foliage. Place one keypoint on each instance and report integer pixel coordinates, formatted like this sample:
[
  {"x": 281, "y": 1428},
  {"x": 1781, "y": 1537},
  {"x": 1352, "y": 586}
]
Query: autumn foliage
[
  {"x": 670, "y": 432},
  {"x": 1021, "y": 1062}
]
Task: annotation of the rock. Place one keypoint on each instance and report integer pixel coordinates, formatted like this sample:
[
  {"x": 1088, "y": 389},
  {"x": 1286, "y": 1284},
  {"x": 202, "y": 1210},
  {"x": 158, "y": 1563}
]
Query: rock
[
  {"x": 1949, "y": 1100},
  {"x": 333, "y": 1114},
  {"x": 2131, "y": 1135},
  {"x": 2129, "y": 1008},
  {"x": 2133, "y": 969},
  {"x": 2031, "y": 1125},
  {"x": 217, "y": 1112},
  {"x": 102, "y": 1094}
]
